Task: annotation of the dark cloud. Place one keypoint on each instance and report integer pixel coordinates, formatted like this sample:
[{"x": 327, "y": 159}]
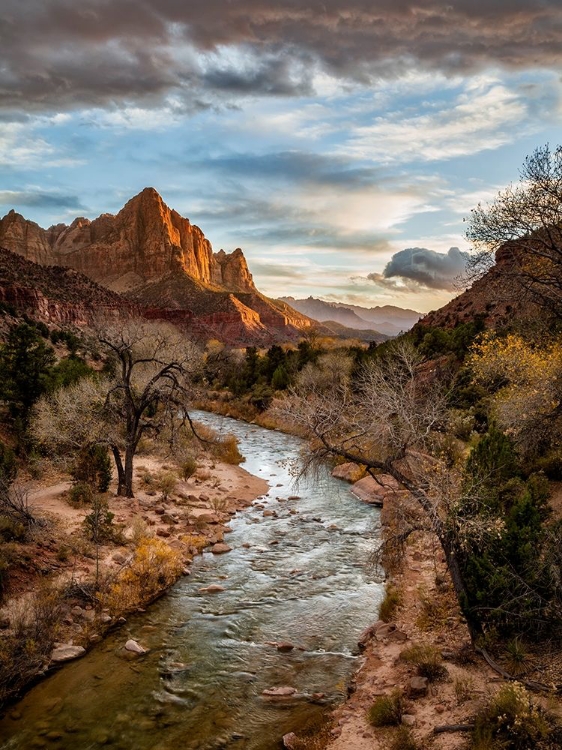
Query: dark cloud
[
  {"x": 17, "y": 199},
  {"x": 62, "y": 53},
  {"x": 418, "y": 267},
  {"x": 295, "y": 165}
]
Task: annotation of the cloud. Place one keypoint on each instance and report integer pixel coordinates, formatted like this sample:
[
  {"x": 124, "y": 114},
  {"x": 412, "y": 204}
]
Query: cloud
[
  {"x": 40, "y": 199},
  {"x": 60, "y": 54},
  {"x": 417, "y": 268},
  {"x": 485, "y": 116}
]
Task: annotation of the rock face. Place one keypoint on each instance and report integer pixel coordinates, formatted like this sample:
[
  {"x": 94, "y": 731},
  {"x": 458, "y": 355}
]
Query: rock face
[
  {"x": 163, "y": 264},
  {"x": 55, "y": 295},
  {"x": 145, "y": 241}
]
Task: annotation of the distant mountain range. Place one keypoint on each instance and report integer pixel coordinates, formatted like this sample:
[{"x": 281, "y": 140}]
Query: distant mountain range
[{"x": 386, "y": 319}]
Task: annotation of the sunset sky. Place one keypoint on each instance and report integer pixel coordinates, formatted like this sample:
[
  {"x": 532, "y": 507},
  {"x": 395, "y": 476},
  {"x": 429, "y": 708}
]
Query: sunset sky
[{"x": 340, "y": 144}]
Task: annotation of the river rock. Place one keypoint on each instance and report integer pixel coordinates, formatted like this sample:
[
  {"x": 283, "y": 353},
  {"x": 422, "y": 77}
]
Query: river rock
[
  {"x": 220, "y": 549},
  {"x": 135, "y": 647},
  {"x": 167, "y": 518},
  {"x": 66, "y": 653},
  {"x": 269, "y": 513},
  {"x": 279, "y": 692},
  {"x": 349, "y": 472},
  {"x": 291, "y": 741},
  {"x": 214, "y": 588},
  {"x": 418, "y": 687},
  {"x": 284, "y": 647}
]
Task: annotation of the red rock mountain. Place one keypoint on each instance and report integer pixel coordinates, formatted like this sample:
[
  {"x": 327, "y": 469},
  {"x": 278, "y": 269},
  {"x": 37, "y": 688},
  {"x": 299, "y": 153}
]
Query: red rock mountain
[
  {"x": 158, "y": 259},
  {"x": 497, "y": 297}
]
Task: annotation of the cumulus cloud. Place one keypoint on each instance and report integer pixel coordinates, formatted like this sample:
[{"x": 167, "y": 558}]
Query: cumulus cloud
[
  {"x": 56, "y": 53},
  {"x": 417, "y": 268}
]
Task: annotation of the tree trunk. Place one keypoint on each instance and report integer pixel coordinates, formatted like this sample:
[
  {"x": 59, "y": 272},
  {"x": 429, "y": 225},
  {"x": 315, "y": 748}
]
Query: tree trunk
[
  {"x": 120, "y": 471},
  {"x": 128, "y": 473}
]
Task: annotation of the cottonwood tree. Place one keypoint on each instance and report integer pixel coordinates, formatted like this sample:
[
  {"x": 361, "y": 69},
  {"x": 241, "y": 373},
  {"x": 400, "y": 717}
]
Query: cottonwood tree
[
  {"x": 148, "y": 391},
  {"x": 525, "y": 222},
  {"x": 389, "y": 419}
]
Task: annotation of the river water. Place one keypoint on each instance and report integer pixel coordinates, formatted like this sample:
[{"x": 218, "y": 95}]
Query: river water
[{"x": 305, "y": 578}]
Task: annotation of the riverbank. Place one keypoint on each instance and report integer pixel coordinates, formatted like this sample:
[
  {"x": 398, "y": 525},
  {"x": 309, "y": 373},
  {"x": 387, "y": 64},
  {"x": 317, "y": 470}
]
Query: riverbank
[{"x": 86, "y": 585}]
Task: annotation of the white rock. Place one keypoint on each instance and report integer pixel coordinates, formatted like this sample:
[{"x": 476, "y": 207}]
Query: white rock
[
  {"x": 66, "y": 653},
  {"x": 135, "y": 647}
]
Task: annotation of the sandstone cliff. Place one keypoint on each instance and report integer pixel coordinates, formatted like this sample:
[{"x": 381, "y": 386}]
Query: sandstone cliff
[
  {"x": 163, "y": 264},
  {"x": 145, "y": 241},
  {"x": 55, "y": 295}
]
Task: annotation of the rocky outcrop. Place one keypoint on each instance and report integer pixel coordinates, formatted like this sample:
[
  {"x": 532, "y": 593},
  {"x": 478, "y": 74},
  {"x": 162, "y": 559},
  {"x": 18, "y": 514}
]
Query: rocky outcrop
[
  {"x": 55, "y": 295},
  {"x": 497, "y": 298},
  {"x": 163, "y": 264},
  {"x": 145, "y": 241}
]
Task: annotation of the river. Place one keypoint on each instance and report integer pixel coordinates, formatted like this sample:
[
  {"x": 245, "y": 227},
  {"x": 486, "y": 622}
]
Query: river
[{"x": 304, "y": 578}]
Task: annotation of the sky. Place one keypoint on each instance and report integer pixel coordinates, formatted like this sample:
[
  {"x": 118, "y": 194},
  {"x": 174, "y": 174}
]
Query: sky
[{"x": 341, "y": 145}]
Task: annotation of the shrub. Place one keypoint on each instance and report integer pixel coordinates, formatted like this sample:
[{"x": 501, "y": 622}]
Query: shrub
[
  {"x": 80, "y": 494},
  {"x": 167, "y": 483},
  {"x": 99, "y": 523},
  {"x": 427, "y": 660},
  {"x": 387, "y": 710},
  {"x": 188, "y": 467},
  {"x": 511, "y": 721},
  {"x": 11, "y": 530},
  {"x": 390, "y": 603},
  {"x": 154, "y": 567},
  {"x": 464, "y": 688},
  {"x": 93, "y": 467},
  {"x": 402, "y": 739},
  {"x": 226, "y": 449},
  {"x": 435, "y": 609}
]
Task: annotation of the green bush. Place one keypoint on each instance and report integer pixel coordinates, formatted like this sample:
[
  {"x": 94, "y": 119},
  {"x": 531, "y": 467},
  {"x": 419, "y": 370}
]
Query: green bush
[
  {"x": 93, "y": 467},
  {"x": 511, "y": 721},
  {"x": 80, "y": 494},
  {"x": 99, "y": 523},
  {"x": 188, "y": 467},
  {"x": 12, "y": 530},
  {"x": 427, "y": 660},
  {"x": 390, "y": 603},
  {"x": 387, "y": 710}
]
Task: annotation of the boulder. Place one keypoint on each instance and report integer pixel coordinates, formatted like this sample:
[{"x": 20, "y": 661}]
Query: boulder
[
  {"x": 66, "y": 652},
  {"x": 284, "y": 647},
  {"x": 214, "y": 588},
  {"x": 220, "y": 549},
  {"x": 349, "y": 472},
  {"x": 279, "y": 692},
  {"x": 418, "y": 687}
]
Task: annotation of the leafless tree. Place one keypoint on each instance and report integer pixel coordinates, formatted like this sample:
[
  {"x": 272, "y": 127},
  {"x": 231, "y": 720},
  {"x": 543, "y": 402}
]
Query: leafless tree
[
  {"x": 390, "y": 420},
  {"x": 149, "y": 390},
  {"x": 525, "y": 222}
]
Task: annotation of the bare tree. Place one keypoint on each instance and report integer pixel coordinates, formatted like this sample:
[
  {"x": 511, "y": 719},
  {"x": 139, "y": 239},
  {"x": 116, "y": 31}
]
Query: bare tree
[
  {"x": 524, "y": 222},
  {"x": 390, "y": 420},
  {"x": 149, "y": 390}
]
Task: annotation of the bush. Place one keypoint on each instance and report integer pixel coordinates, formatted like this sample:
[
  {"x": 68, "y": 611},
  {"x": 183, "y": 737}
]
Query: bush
[
  {"x": 511, "y": 721},
  {"x": 80, "y": 494},
  {"x": 403, "y": 739},
  {"x": 226, "y": 449},
  {"x": 427, "y": 660},
  {"x": 99, "y": 523},
  {"x": 390, "y": 603},
  {"x": 167, "y": 483},
  {"x": 154, "y": 567},
  {"x": 387, "y": 710},
  {"x": 12, "y": 530},
  {"x": 93, "y": 467},
  {"x": 188, "y": 468}
]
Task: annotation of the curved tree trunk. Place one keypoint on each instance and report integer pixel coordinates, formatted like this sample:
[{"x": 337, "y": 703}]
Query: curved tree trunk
[{"x": 120, "y": 470}]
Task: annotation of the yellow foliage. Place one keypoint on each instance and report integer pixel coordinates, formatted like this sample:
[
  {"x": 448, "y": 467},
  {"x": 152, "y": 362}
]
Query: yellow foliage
[
  {"x": 195, "y": 540},
  {"x": 154, "y": 567},
  {"x": 525, "y": 378}
]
